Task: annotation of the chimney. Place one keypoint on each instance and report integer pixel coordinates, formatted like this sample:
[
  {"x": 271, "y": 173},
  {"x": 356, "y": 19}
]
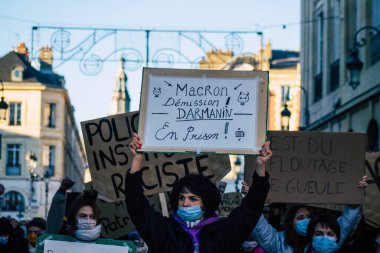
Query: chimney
[
  {"x": 22, "y": 49},
  {"x": 46, "y": 59}
]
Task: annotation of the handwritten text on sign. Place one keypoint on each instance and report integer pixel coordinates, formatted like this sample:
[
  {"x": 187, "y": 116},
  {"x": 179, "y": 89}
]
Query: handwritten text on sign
[
  {"x": 315, "y": 167},
  {"x": 203, "y": 113},
  {"x": 106, "y": 141}
]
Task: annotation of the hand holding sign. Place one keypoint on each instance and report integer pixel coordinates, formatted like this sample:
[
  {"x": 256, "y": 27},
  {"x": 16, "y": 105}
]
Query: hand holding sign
[
  {"x": 265, "y": 154},
  {"x": 134, "y": 146}
]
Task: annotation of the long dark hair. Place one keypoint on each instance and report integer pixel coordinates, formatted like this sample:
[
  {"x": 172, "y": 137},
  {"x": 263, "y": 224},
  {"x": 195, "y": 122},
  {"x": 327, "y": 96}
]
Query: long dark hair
[
  {"x": 87, "y": 198},
  {"x": 297, "y": 242},
  {"x": 200, "y": 186}
]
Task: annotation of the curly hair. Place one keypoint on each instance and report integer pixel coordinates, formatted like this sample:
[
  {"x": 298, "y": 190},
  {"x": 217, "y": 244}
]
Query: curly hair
[{"x": 200, "y": 186}]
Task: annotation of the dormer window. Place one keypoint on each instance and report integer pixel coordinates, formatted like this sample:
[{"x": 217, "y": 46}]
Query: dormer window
[{"x": 17, "y": 73}]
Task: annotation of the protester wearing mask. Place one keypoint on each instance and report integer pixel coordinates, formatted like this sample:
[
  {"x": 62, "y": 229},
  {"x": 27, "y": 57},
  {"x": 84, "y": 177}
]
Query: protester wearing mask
[
  {"x": 34, "y": 229},
  {"x": 323, "y": 235},
  {"x": 194, "y": 227},
  {"x": 84, "y": 217},
  {"x": 9, "y": 243},
  {"x": 293, "y": 238}
]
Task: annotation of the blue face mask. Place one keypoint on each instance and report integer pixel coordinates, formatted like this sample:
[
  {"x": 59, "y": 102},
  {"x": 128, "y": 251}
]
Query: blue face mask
[
  {"x": 301, "y": 227},
  {"x": 3, "y": 240},
  {"x": 377, "y": 240},
  {"x": 190, "y": 213},
  {"x": 325, "y": 244}
]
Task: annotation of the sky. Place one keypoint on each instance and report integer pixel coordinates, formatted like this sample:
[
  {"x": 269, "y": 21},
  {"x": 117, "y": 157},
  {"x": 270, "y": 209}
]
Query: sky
[{"x": 91, "y": 94}]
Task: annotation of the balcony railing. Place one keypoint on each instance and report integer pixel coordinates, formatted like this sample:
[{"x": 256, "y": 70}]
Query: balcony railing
[{"x": 13, "y": 170}]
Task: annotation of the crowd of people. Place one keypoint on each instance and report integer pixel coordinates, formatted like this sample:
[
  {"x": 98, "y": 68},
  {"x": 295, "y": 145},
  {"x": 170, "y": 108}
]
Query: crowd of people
[{"x": 194, "y": 226}]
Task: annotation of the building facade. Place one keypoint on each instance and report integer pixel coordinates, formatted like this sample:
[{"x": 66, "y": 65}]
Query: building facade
[
  {"x": 284, "y": 79},
  {"x": 284, "y": 89},
  {"x": 40, "y": 143},
  {"x": 333, "y": 104}
]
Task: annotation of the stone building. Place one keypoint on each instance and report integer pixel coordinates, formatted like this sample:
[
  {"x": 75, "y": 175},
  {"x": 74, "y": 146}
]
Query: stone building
[
  {"x": 334, "y": 103},
  {"x": 40, "y": 143}
]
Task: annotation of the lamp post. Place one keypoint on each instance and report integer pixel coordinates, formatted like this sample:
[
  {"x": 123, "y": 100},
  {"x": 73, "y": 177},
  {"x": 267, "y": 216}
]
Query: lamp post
[
  {"x": 237, "y": 165},
  {"x": 47, "y": 181},
  {"x": 31, "y": 159},
  {"x": 285, "y": 118},
  {"x": 3, "y": 104},
  {"x": 353, "y": 63}
]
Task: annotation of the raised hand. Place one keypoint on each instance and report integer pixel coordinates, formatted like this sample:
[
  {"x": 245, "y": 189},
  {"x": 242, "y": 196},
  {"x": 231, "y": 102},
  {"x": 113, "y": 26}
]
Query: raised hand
[
  {"x": 134, "y": 146},
  {"x": 67, "y": 184},
  {"x": 363, "y": 182},
  {"x": 264, "y": 155}
]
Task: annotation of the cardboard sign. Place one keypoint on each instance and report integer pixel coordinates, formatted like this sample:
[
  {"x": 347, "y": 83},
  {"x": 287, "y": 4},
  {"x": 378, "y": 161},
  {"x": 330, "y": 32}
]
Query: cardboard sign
[
  {"x": 229, "y": 202},
  {"x": 51, "y": 243},
  {"x": 108, "y": 155},
  {"x": 314, "y": 167},
  {"x": 372, "y": 197},
  {"x": 115, "y": 218},
  {"x": 208, "y": 111}
]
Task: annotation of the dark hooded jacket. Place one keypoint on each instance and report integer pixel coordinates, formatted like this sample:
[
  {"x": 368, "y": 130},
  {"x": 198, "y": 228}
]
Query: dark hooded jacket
[{"x": 164, "y": 234}]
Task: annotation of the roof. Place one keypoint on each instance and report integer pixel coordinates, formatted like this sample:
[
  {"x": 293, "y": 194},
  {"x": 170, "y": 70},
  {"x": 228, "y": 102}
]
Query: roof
[
  {"x": 284, "y": 59},
  {"x": 30, "y": 74}
]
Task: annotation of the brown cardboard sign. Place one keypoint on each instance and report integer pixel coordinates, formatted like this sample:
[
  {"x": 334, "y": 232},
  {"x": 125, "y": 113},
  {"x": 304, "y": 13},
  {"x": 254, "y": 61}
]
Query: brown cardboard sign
[
  {"x": 208, "y": 111},
  {"x": 314, "y": 167},
  {"x": 229, "y": 202},
  {"x": 108, "y": 155},
  {"x": 115, "y": 219},
  {"x": 372, "y": 196}
]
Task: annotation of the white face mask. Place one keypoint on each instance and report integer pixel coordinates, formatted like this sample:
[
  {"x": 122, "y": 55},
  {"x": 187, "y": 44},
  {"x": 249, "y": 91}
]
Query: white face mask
[
  {"x": 85, "y": 224},
  {"x": 89, "y": 234}
]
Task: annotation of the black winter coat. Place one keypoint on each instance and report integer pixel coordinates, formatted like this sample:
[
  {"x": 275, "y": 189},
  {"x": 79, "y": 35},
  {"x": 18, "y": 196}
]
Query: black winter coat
[{"x": 165, "y": 235}]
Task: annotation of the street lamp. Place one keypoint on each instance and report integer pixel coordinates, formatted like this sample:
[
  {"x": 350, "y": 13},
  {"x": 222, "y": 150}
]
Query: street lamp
[
  {"x": 285, "y": 117},
  {"x": 47, "y": 181},
  {"x": 353, "y": 63},
  {"x": 237, "y": 165},
  {"x": 3, "y": 104},
  {"x": 31, "y": 159}
]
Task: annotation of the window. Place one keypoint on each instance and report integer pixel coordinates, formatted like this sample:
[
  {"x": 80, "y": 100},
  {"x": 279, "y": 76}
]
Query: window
[
  {"x": 13, "y": 167},
  {"x": 336, "y": 32},
  {"x": 49, "y": 159},
  {"x": 13, "y": 202},
  {"x": 17, "y": 73},
  {"x": 319, "y": 59},
  {"x": 285, "y": 90},
  {"x": 50, "y": 115},
  {"x": 375, "y": 37},
  {"x": 15, "y": 114}
]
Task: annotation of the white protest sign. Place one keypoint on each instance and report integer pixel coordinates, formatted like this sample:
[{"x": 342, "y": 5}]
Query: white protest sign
[
  {"x": 203, "y": 111},
  {"x": 52, "y": 246}
]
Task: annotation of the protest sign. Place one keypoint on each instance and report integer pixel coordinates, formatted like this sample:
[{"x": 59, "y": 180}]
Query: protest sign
[
  {"x": 115, "y": 219},
  {"x": 108, "y": 155},
  {"x": 229, "y": 202},
  {"x": 50, "y": 243},
  {"x": 372, "y": 197},
  {"x": 314, "y": 167},
  {"x": 208, "y": 111}
]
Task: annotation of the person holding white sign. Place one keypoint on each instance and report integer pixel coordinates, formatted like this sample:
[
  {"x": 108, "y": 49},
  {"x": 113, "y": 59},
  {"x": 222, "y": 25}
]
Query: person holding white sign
[{"x": 194, "y": 227}]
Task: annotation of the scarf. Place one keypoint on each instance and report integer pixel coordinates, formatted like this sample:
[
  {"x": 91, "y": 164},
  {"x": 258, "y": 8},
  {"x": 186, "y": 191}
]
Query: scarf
[{"x": 194, "y": 228}]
